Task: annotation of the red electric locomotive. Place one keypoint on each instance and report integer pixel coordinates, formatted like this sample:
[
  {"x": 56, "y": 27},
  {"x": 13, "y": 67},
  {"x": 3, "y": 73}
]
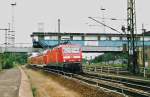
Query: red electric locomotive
[{"x": 67, "y": 57}]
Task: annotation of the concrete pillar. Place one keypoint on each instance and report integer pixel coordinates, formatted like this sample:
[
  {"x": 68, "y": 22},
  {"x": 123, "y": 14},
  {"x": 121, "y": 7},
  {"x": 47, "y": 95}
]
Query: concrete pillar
[
  {"x": 120, "y": 38},
  {"x": 99, "y": 38},
  {"x": 71, "y": 37},
  {"x": 109, "y": 37},
  {"x": 82, "y": 37}
]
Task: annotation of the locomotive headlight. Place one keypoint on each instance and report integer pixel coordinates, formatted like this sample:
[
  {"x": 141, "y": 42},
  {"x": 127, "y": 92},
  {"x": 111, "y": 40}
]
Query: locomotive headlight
[{"x": 76, "y": 56}]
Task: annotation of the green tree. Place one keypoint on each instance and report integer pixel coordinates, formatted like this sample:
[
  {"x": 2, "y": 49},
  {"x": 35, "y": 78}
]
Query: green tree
[
  {"x": 109, "y": 57},
  {"x": 8, "y": 60}
]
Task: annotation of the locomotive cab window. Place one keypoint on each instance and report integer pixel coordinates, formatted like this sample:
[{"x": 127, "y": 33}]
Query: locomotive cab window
[
  {"x": 71, "y": 50},
  {"x": 75, "y": 50}
]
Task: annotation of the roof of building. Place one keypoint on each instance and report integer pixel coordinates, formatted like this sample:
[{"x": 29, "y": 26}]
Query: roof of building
[{"x": 69, "y": 33}]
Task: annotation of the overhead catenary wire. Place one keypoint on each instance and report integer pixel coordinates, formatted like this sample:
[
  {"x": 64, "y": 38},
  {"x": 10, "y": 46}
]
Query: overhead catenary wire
[{"x": 105, "y": 25}]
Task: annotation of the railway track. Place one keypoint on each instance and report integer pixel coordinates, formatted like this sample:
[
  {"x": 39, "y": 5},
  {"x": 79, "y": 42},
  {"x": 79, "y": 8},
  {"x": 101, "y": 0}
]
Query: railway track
[
  {"x": 129, "y": 83},
  {"x": 120, "y": 86},
  {"x": 128, "y": 88}
]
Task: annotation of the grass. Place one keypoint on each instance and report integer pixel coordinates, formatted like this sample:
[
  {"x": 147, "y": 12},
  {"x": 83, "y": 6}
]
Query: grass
[
  {"x": 15, "y": 66},
  {"x": 148, "y": 70},
  {"x": 34, "y": 91},
  {"x": 33, "y": 88}
]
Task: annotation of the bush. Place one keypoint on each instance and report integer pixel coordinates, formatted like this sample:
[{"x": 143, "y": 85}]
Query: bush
[
  {"x": 9, "y": 60},
  {"x": 106, "y": 57}
]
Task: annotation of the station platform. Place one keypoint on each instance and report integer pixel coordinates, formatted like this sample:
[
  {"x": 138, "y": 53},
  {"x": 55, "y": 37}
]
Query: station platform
[
  {"x": 14, "y": 83},
  {"x": 9, "y": 82}
]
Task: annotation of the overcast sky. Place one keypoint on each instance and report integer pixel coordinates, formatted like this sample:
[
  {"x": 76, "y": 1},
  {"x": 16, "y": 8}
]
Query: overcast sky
[{"x": 73, "y": 14}]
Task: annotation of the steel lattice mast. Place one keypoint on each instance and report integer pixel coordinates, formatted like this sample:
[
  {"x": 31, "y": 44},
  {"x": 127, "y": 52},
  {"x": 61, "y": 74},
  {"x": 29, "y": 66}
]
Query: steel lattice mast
[
  {"x": 12, "y": 30},
  {"x": 131, "y": 26}
]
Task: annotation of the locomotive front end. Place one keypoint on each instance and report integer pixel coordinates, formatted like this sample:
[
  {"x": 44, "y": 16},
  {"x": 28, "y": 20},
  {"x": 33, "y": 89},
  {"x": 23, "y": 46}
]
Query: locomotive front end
[{"x": 72, "y": 57}]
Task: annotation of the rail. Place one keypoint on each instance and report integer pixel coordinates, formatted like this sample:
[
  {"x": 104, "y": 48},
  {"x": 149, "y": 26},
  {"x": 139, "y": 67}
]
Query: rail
[
  {"x": 128, "y": 87},
  {"x": 124, "y": 87}
]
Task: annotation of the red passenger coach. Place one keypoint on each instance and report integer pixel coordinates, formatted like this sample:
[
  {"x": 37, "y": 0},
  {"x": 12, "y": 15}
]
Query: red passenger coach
[
  {"x": 66, "y": 57},
  {"x": 36, "y": 60}
]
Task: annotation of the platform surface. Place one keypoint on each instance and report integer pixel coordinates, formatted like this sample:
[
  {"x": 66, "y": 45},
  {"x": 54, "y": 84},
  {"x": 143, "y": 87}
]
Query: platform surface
[{"x": 10, "y": 82}]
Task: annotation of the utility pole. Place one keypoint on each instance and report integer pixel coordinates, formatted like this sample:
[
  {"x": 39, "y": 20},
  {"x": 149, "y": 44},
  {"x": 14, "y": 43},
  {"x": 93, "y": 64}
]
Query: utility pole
[
  {"x": 143, "y": 32},
  {"x": 127, "y": 36},
  {"x": 103, "y": 17},
  {"x": 59, "y": 37},
  {"x": 131, "y": 27}
]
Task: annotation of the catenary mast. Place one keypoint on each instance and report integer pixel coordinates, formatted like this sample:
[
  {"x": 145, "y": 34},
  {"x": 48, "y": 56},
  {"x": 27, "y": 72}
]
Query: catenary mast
[{"x": 131, "y": 28}]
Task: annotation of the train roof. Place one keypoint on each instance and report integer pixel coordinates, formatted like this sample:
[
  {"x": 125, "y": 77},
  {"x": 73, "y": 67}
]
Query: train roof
[
  {"x": 45, "y": 51},
  {"x": 35, "y": 54}
]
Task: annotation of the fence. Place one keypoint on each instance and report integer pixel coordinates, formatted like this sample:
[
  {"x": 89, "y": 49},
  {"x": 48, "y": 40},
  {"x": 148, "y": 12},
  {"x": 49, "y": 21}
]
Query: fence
[
  {"x": 106, "y": 69},
  {"x": 145, "y": 72}
]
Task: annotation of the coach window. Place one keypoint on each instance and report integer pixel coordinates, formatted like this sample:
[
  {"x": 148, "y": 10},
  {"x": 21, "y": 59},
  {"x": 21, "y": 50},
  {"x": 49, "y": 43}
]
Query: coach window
[
  {"x": 77, "y": 38},
  {"x": 75, "y": 50},
  {"x": 91, "y": 38},
  {"x": 46, "y": 38},
  {"x": 53, "y": 37},
  {"x": 103, "y": 38},
  {"x": 115, "y": 38},
  {"x": 107, "y": 38},
  {"x": 124, "y": 38}
]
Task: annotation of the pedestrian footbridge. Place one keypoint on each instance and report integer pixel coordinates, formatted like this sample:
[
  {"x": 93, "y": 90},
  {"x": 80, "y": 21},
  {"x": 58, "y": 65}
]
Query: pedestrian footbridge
[
  {"x": 17, "y": 49},
  {"x": 84, "y": 49},
  {"x": 90, "y": 42}
]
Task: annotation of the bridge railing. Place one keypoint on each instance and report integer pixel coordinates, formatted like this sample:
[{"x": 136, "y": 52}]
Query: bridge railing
[
  {"x": 20, "y": 45},
  {"x": 102, "y": 48},
  {"x": 17, "y": 47},
  {"x": 23, "y": 44}
]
